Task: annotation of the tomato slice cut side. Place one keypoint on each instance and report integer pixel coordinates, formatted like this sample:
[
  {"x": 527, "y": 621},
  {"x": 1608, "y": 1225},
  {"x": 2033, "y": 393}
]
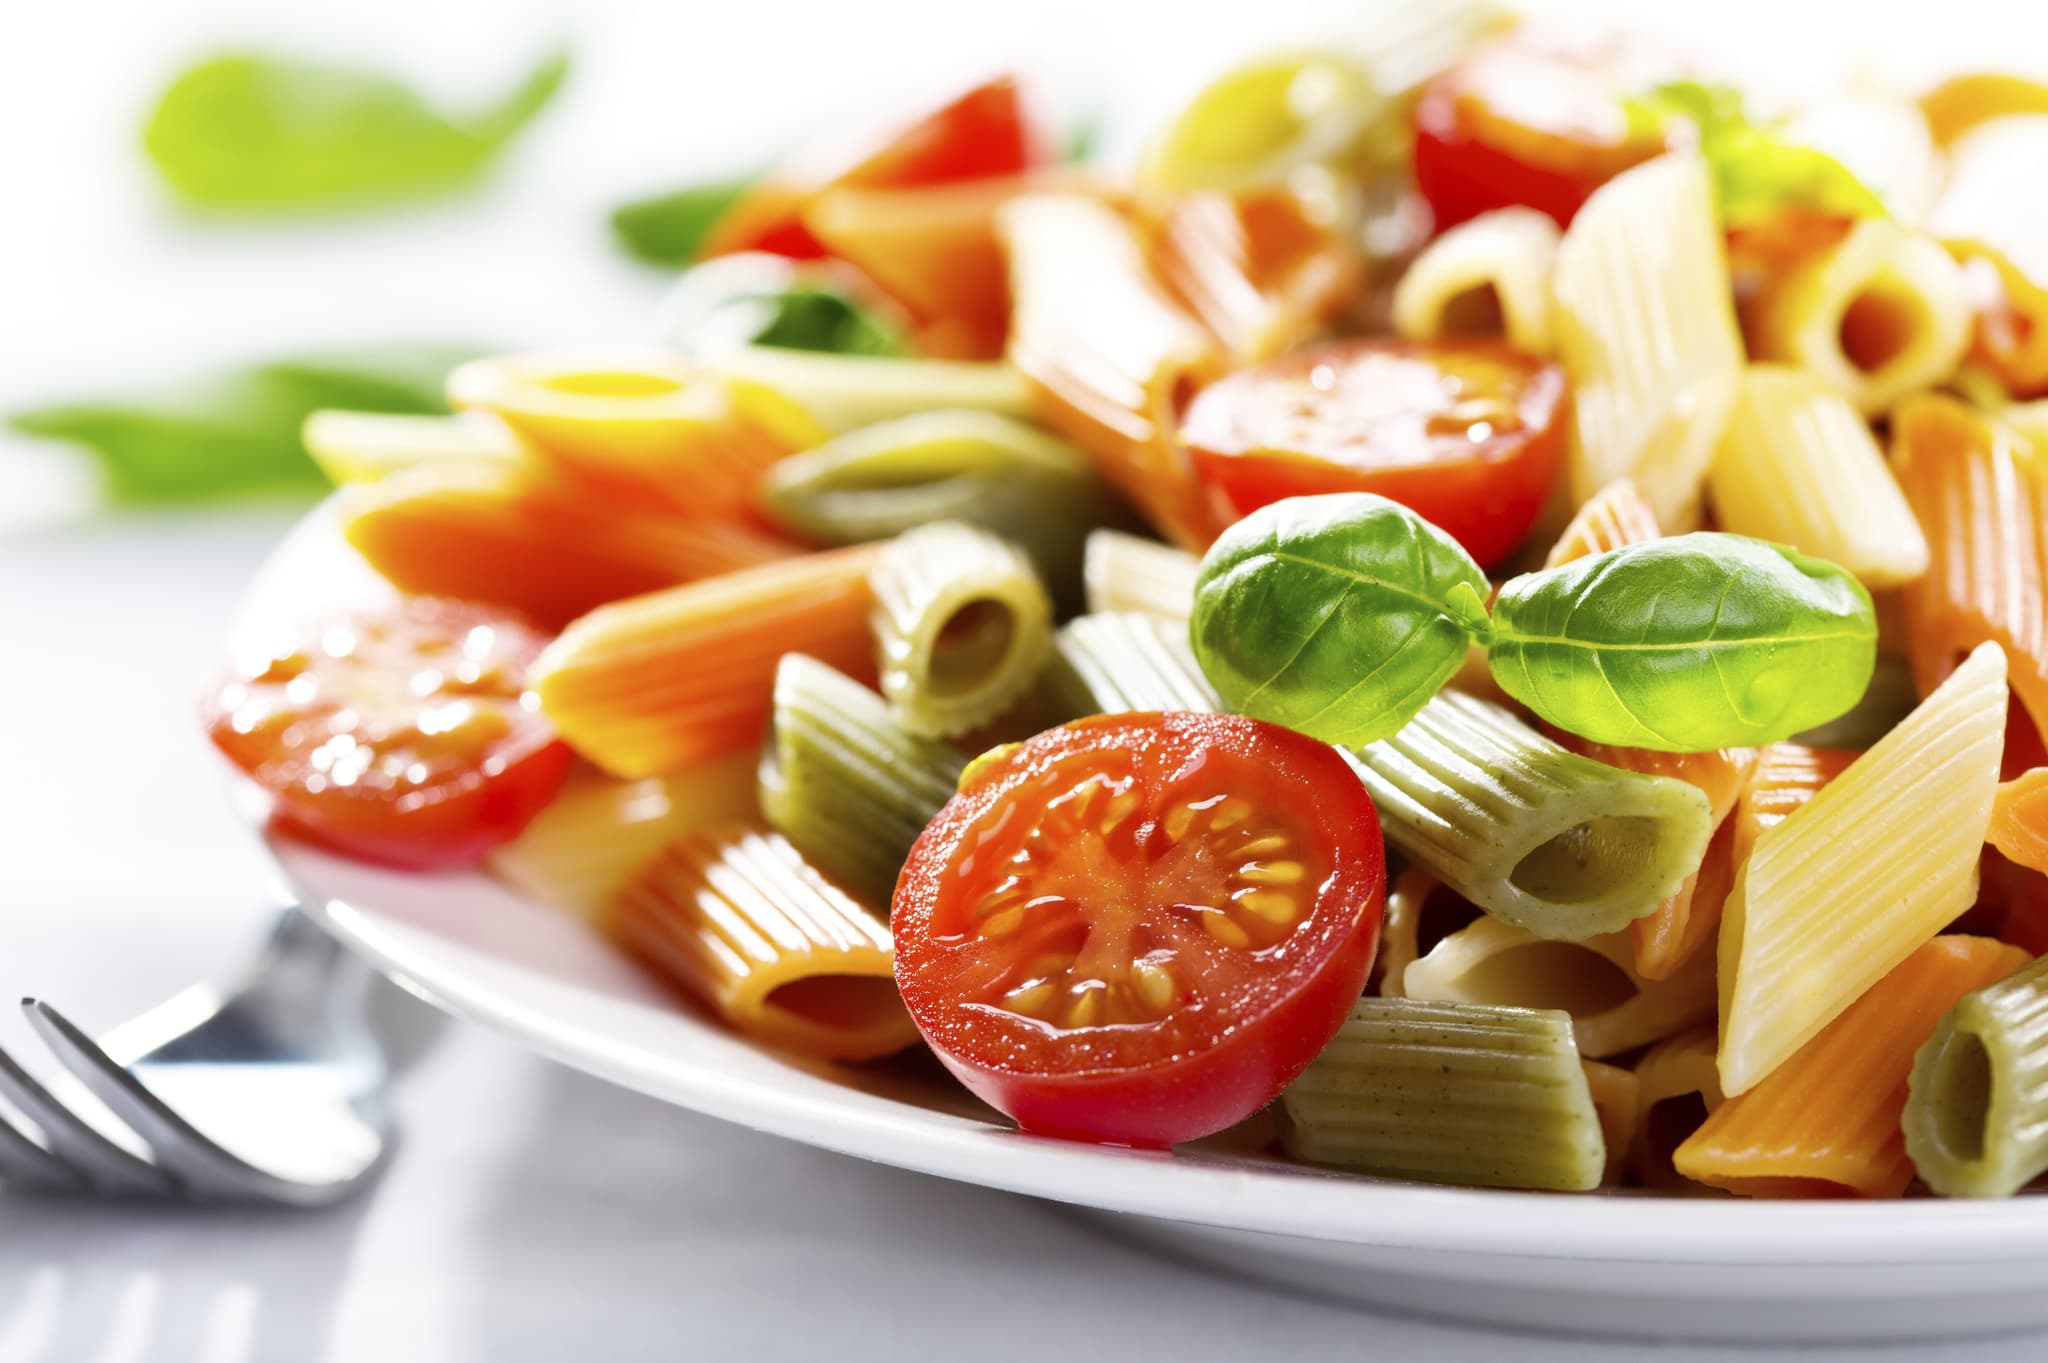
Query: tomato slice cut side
[
  {"x": 1139, "y": 928},
  {"x": 405, "y": 736}
]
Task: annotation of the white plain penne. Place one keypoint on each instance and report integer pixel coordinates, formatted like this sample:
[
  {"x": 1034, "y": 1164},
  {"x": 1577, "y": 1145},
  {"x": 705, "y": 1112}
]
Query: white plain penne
[
  {"x": 1856, "y": 879},
  {"x": 1489, "y": 277},
  {"x": 1675, "y": 1069},
  {"x": 1882, "y": 314},
  {"x": 1128, "y": 573},
  {"x": 1646, "y": 328},
  {"x": 1612, "y": 1008},
  {"x": 1883, "y": 140},
  {"x": 1797, "y": 465},
  {"x": 1997, "y": 191}
]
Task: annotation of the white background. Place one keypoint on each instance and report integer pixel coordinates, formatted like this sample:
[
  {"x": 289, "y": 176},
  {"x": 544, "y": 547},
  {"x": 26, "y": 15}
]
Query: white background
[{"x": 535, "y": 1214}]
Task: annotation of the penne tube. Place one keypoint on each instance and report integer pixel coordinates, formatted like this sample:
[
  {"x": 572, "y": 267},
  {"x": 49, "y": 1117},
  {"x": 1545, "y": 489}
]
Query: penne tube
[
  {"x": 1646, "y": 330},
  {"x": 361, "y": 447},
  {"x": 1889, "y": 698},
  {"x": 1984, "y": 506},
  {"x": 962, "y": 624},
  {"x": 598, "y": 830},
  {"x": 1276, "y": 119},
  {"x": 645, "y": 426},
  {"x": 1540, "y": 837},
  {"x": 1677, "y": 1087},
  {"x": 1613, "y": 1009},
  {"x": 495, "y": 531},
  {"x": 1785, "y": 777},
  {"x": 1489, "y": 277},
  {"x": 1615, "y": 1097},
  {"x": 1798, "y": 466},
  {"x": 1860, "y": 875},
  {"x": 655, "y": 683},
  {"x": 2019, "y": 819},
  {"x": 1127, "y": 573},
  {"x": 1880, "y": 314},
  {"x": 737, "y": 918},
  {"x": 2029, "y": 420},
  {"x": 846, "y": 392},
  {"x": 1976, "y": 1119},
  {"x": 1109, "y": 354},
  {"x": 1613, "y": 517},
  {"x": 1454, "y": 1093},
  {"x": 1965, "y": 101},
  {"x": 1116, "y": 663},
  {"x": 2009, "y": 335},
  {"x": 1882, "y": 140},
  {"x": 848, "y": 786},
  {"x": 1996, "y": 193},
  {"x": 1826, "y": 1123},
  {"x": 1421, "y": 912}
]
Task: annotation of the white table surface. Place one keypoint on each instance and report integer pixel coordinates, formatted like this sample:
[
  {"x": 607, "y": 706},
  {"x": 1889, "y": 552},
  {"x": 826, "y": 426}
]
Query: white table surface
[{"x": 532, "y": 1213}]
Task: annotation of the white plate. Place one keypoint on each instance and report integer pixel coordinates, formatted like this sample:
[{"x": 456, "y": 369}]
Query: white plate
[{"x": 1600, "y": 1264}]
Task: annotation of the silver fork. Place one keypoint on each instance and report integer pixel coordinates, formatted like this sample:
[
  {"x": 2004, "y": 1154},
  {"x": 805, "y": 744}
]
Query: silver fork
[{"x": 269, "y": 1091}]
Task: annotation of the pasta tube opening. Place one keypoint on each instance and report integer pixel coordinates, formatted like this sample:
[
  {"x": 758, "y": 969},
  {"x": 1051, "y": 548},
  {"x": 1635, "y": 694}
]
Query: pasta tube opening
[
  {"x": 1976, "y": 1113},
  {"x": 1960, "y": 1068},
  {"x": 1484, "y": 279},
  {"x": 1590, "y": 860}
]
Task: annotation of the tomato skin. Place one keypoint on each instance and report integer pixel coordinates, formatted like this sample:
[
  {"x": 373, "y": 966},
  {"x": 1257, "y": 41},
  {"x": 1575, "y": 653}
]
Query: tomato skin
[
  {"x": 1485, "y": 493},
  {"x": 1055, "y": 1081},
  {"x": 474, "y": 797}
]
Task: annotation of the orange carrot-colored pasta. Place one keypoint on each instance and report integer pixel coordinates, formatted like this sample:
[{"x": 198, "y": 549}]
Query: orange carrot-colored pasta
[
  {"x": 2009, "y": 339},
  {"x": 1109, "y": 354},
  {"x": 2012, "y": 903},
  {"x": 1615, "y": 516},
  {"x": 1983, "y": 504},
  {"x": 2019, "y": 819},
  {"x": 1786, "y": 776},
  {"x": 1826, "y": 1122},
  {"x": 651, "y": 684},
  {"x": 492, "y": 530},
  {"x": 1962, "y": 102},
  {"x": 1263, "y": 269}
]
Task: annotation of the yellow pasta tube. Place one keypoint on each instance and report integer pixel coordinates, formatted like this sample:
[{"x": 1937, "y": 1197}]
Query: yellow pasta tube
[
  {"x": 1997, "y": 191},
  {"x": 1613, "y": 1009},
  {"x": 1421, "y": 911},
  {"x": 361, "y": 447},
  {"x": 1877, "y": 862},
  {"x": 1677, "y": 1087},
  {"x": 1125, "y": 573},
  {"x": 737, "y": 918},
  {"x": 1880, "y": 314},
  {"x": 1615, "y": 1098},
  {"x": 1646, "y": 330},
  {"x": 1489, "y": 277},
  {"x": 846, "y": 392},
  {"x": 1826, "y": 1122},
  {"x": 1797, "y": 465}
]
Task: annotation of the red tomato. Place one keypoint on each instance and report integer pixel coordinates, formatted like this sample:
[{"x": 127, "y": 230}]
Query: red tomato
[
  {"x": 1535, "y": 121},
  {"x": 1467, "y": 434},
  {"x": 1140, "y": 928},
  {"x": 979, "y": 135},
  {"x": 405, "y": 736}
]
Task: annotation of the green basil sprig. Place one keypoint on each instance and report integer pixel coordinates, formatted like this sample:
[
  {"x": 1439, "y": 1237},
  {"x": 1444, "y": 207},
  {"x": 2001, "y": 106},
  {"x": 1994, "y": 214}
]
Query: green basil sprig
[
  {"x": 1684, "y": 644},
  {"x": 1338, "y": 616}
]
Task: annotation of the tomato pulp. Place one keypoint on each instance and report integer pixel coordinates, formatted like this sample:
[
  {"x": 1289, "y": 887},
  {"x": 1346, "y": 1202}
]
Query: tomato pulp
[
  {"x": 1139, "y": 928},
  {"x": 405, "y": 736}
]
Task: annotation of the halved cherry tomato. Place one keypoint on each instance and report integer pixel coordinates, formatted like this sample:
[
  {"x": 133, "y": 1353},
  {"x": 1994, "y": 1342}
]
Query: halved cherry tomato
[
  {"x": 1534, "y": 120},
  {"x": 980, "y": 134},
  {"x": 404, "y": 736},
  {"x": 1467, "y": 434},
  {"x": 1139, "y": 928}
]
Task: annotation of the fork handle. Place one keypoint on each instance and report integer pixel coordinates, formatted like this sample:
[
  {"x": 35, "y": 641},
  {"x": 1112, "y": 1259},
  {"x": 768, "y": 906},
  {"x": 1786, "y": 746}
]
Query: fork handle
[{"x": 304, "y": 960}]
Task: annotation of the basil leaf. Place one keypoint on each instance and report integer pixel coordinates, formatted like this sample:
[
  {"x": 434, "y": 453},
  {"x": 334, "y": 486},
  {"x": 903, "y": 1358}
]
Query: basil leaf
[
  {"x": 669, "y": 229},
  {"x": 819, "y": 317},
  {"x": 238, "y": 434},
  {"x": 758, "y": 299},
  {"x": 1685, "y": 644},
  {"x": 247, "y": 132},
  {"x": 1339, "y": 616}
]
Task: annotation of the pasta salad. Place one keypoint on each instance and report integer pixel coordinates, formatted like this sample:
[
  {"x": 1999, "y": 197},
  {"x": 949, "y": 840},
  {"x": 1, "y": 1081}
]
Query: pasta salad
[{"x": 1488, "y": 598}]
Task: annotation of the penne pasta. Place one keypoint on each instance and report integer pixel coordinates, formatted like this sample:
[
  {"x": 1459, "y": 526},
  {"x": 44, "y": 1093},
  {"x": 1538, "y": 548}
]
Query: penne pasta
[
  {"x": 1113, "y": 663},
  {"x": 1489, "y": 277},
  {"x": 846, "y": 392},
  {"x": 1613, "y": 1009},
  {"x": 655, "y": 683},
  {"x": 2019, "y": 819},
  {"x": 1785, "y": 777},
  {"x": 361, "y": 447},
  {"x": 1984, "y": 506},
  {"x": 1996, "y": 193},
  {"x": 495, "y": 531},
  {"x": 1614, "y": 516},
  {"x": 1646, "y": 330},
  {"x": 599, "y": 830},
  {"x": 1797, "y": 465},
  {"x": 962, "y": 625},
  {"x": 1880, "y": 314},
  {"x": 1450, "y": 1093},
  {"x": 736, "y": 917},
  {"x": 1615, "y": 1098},
  {"x": 2009, "y": 337},
  {"x": 1544, "y": 839},
  {"x": 1677, "y": 1086},
  {"x": 1826, "y": 1122},
  {"x": 1860, "y": 875},
  {"x": 1127, "y": 573},
  {"x": 1976, "y": 1118},
  {"x": 1108, "y": 354},
  {"x": 1963, "y": 102}
]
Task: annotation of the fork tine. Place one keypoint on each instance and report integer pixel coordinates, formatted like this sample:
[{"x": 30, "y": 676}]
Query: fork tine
[
  {"x": 25, "y": 1164},
  {"x": 181, "y": 1150},
  {"x": 104, "y": 1164}
]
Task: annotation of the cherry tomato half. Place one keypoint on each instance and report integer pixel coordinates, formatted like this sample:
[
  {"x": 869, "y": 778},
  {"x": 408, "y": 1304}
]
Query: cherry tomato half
[
  {"x": 1139, "y": 928},
  {"x": 405, "y": 736},
  {"x": 1468, "y": 434},
  {"x": 1535, "y": 120}
]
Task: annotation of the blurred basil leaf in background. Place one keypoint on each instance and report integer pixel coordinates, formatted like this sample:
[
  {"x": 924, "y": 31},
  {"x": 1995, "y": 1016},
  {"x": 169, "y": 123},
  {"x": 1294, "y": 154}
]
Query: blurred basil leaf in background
[
  {"x": 244, "y": 132},
  {"x": 669, "y": 229},
  {"x": 237, "y": 434}
]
